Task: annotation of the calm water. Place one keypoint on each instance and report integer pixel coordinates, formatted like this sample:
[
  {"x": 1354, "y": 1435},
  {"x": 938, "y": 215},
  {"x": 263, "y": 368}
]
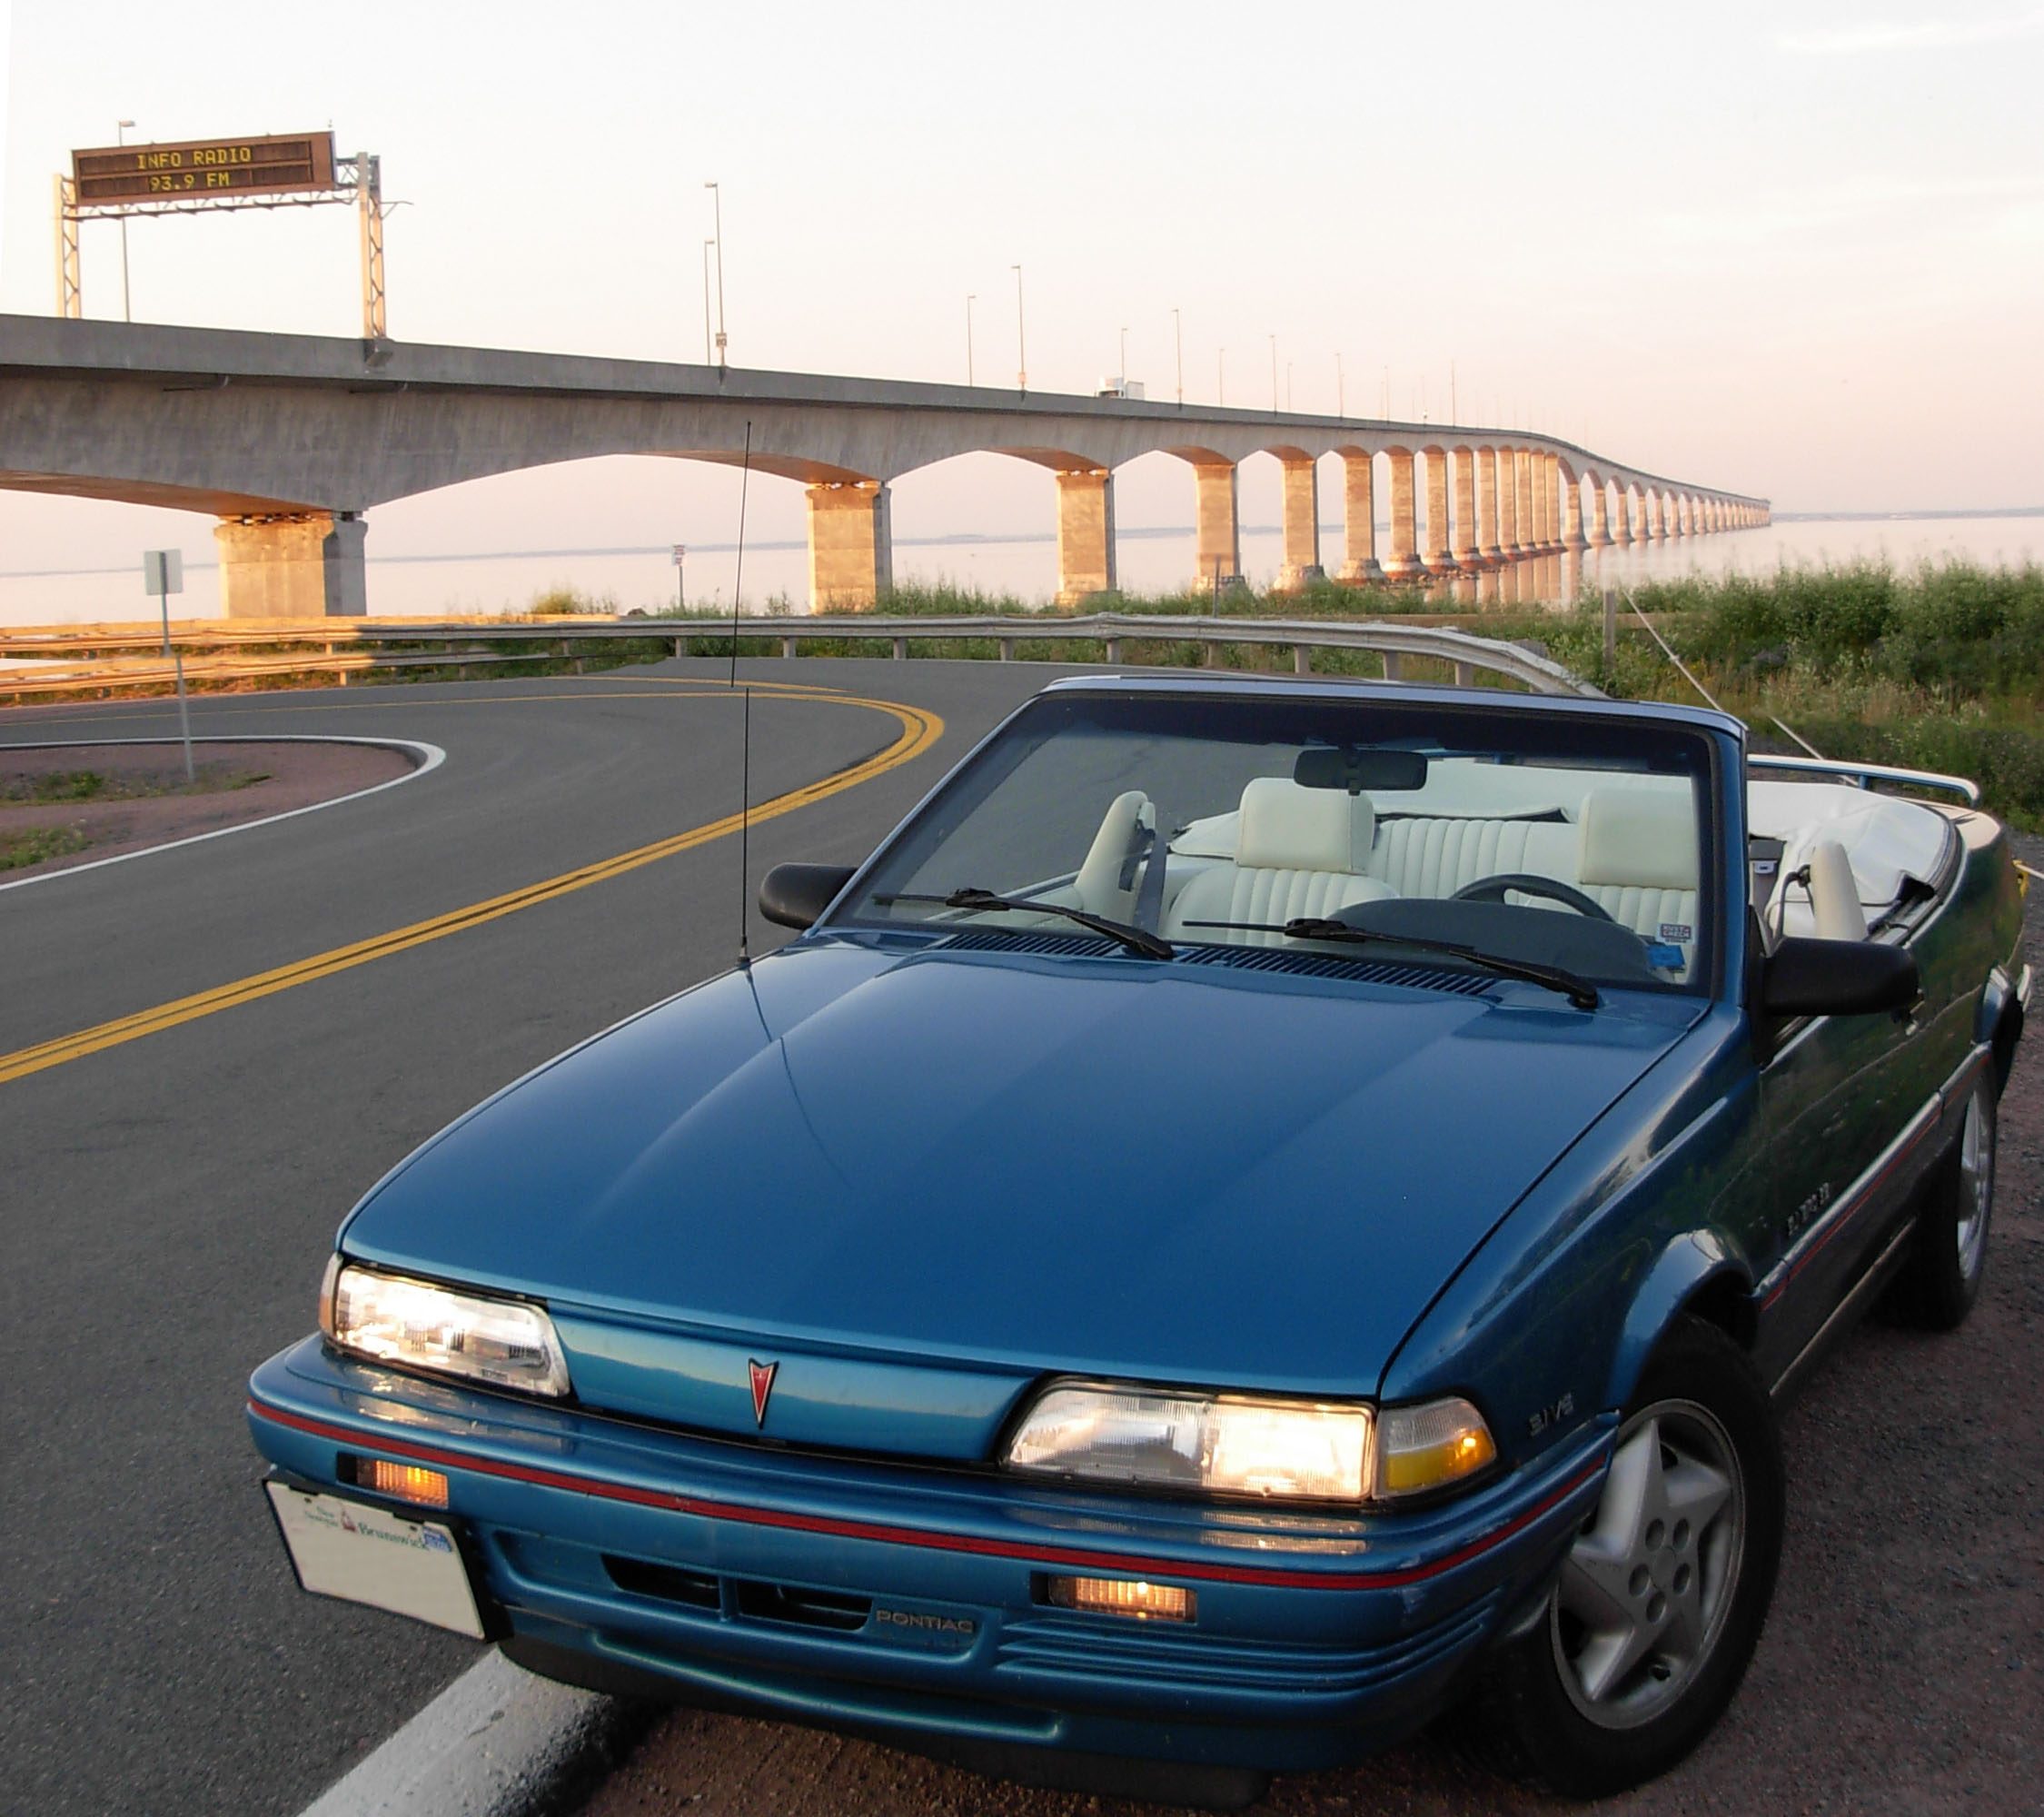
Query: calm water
[{"x": 1151, "y": 562}]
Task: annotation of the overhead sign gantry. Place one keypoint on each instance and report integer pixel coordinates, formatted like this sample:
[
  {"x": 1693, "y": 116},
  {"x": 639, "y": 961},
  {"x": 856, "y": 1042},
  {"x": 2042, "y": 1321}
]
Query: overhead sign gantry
[{"x": 203, "y": 176}]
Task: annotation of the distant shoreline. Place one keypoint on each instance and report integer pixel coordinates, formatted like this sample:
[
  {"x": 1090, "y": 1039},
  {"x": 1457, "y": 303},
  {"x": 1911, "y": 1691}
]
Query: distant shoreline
[{"x": 969, "y": 539}]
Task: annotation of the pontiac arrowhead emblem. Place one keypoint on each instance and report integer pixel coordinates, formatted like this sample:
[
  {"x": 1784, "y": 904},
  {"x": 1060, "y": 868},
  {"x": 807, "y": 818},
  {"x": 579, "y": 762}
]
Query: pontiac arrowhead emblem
[{"x": 762, "y": 1386}]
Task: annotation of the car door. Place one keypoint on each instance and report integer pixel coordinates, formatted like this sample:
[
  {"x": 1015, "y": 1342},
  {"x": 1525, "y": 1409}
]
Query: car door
[{"x": 1835, "y": 1094}]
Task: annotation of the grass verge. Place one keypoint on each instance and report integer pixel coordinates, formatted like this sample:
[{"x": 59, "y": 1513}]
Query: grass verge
[{"x": 37, "y": 845}]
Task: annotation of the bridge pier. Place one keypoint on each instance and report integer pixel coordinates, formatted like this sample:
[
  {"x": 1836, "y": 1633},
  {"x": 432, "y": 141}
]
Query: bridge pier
[
  {"x": 1437, "y": 559},
  {"x": 1404, "y": 563},
  {"x": 1469, "y": 554},
  {"x": 1300, "y": 479},
  {"x": 1571, "y": 514},
  {"x": 293, "y": 565},
  {"x": 1488, "y": 554},
  {"x": 1086, "y": 534},
  {"x": 1550, "y": 504},
  {"x": 1219, "y": 525},
  {"x": 851, "y": 544},
  {"x": 1622, "y": 525},
  {"x": 1524, "y": 533},
  {"x": 1359, "y": 521},
  {"x": 1600, "y": 517},
  {"x": 1507, "y": 489}
]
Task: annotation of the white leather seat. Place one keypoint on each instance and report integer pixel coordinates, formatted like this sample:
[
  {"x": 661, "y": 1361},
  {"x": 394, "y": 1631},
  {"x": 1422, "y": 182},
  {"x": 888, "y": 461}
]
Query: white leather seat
[
  {"x": 1106, "y": 882},
  {"x": 1637, "y": 858},
  {"x": 1436, "y": 855},
  {"x": 1834, "y": 895},
  {"x": 1299, "y": 851}
]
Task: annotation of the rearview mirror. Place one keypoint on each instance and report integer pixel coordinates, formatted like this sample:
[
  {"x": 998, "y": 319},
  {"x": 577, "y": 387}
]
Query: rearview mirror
[
  {"x": 794, "y": 895},
  {"x": 1359, "y": 768},
  {"x": 1837, "y": 978}
]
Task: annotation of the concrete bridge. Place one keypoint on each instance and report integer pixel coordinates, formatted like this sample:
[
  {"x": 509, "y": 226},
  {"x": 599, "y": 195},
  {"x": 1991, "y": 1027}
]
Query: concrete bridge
[{"x": 291, "y": 440}]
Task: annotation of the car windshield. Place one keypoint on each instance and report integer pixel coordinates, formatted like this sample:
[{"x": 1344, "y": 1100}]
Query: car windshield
[{"x": 1574, "y": 842}]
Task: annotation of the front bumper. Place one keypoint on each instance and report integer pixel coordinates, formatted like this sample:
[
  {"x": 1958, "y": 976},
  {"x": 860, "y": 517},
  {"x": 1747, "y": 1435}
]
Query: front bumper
[{"x": 912, "y": 1601}]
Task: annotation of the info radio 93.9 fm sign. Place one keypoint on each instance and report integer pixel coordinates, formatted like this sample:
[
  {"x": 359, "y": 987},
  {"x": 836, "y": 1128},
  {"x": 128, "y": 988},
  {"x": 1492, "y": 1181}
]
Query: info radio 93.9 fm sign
[{"x": 193, "y": 169}]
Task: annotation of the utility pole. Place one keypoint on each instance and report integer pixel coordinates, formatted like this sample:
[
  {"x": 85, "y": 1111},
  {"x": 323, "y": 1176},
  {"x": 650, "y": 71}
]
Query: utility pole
[
  {"x": 1021, "y": 339},
  {"x": 717, "y": 201},
  {"x": 970, "y": 299},
  {"x": 1179, "y": 343},
  {"x": 121, "y": 130}
]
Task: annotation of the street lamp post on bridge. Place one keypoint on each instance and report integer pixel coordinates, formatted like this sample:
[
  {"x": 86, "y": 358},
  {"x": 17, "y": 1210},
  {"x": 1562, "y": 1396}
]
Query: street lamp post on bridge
[
  {"x": 1021, "y": 339},
  {"x": 716, "y": 204}
]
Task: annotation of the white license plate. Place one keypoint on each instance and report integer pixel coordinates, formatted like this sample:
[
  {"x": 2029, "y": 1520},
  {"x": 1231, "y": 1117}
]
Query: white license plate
[{"x": 366, "y": 1554}]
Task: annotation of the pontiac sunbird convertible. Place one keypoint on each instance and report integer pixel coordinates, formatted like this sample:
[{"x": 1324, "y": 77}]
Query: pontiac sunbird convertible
[{"x": 1262, "y": 1212}]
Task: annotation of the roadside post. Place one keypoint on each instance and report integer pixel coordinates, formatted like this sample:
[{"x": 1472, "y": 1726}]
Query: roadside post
[
  {"x": 680, "y": 595},
  {"x": 163, "y": 575},
  {"x": 1610, "y": 630}
]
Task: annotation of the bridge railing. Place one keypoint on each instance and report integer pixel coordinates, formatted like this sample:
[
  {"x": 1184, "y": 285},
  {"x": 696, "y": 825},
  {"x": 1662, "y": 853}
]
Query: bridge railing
[{"x": 337, "y": 644}]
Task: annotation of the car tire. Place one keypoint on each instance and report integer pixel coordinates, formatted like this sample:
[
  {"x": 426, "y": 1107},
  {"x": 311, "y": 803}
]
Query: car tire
[
  {"x": 1659, "y": 1601},
  {"x": 1942, "y": 1279}
]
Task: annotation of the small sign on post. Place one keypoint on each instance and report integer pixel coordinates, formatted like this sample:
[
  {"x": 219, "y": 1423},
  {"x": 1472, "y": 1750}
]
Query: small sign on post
[
  {"x": 163, "y": 575},
  {"x": 680, "y": 555}
]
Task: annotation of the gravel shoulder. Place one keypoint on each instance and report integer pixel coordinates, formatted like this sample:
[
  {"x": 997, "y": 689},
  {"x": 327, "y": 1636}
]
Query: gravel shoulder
[
  {"x": 1901, "y": 1670},
  {"x": 293, "y": 774}
]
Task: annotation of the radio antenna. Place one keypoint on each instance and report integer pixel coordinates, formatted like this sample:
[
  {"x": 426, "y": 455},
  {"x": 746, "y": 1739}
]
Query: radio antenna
[{"x": 745, "y": 735}]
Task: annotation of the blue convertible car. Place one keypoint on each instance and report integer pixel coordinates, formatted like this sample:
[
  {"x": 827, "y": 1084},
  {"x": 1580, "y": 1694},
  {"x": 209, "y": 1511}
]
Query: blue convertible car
[{"x": 1260, "y": 1212}]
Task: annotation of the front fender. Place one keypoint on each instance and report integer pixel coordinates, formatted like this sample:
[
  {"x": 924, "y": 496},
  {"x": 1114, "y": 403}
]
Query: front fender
[
  {"x": 1697, "y": 1266},
  {"x": 1549, "y": 1322}
]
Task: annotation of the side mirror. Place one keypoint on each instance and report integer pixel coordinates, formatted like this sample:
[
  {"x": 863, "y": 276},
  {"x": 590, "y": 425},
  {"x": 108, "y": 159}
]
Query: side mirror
[
  {"x": 794, "y": 895},
  {"x": 1837, "y": 978}
]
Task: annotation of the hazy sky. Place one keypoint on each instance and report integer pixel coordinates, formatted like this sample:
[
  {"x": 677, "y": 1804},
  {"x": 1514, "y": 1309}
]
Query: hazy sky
[{"x": 1795, "y": 250}]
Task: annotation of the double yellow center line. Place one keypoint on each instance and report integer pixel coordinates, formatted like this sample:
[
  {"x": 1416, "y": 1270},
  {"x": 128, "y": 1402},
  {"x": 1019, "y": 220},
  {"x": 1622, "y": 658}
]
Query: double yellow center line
[{"x": 920, "y": 730}]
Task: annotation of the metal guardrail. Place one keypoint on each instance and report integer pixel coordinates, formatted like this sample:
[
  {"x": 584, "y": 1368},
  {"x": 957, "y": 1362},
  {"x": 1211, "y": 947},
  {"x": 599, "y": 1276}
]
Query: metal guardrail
[{"x": 1394, "y": 643}]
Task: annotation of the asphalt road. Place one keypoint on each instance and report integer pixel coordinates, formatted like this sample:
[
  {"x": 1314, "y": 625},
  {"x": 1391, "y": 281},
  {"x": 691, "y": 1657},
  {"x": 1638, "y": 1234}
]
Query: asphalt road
[{"x": 166, "y": 1202}]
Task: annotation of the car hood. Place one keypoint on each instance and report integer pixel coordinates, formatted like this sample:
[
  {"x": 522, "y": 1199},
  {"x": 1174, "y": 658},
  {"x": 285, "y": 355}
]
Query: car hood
[{"x": 1016, "y": 1162}]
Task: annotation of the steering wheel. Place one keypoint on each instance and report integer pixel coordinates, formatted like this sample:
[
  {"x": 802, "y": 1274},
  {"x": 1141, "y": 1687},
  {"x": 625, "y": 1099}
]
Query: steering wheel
[{"x": 1493, "y": 889}]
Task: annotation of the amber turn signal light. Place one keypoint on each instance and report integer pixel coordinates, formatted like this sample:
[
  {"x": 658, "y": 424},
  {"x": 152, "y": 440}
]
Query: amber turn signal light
[
  {"x": 406, "y": 1482},
  {"x": 1124, "y": 1596}
]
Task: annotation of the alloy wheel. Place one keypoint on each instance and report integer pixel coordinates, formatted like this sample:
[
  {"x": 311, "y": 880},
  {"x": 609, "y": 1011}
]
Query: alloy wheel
[{"x": 1648, "y": 1582}]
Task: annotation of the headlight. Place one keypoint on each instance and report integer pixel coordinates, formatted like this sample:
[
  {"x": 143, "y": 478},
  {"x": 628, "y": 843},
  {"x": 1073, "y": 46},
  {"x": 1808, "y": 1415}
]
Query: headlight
[
  {"x": 1214, "y": 1443},
  {"x": 1430, "y": 1445},
  {"x": 391, "y": 1318}
]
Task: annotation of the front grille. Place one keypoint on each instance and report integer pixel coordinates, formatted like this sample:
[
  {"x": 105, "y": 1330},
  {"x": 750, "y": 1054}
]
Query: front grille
[{"x": 691, "y": 1589}]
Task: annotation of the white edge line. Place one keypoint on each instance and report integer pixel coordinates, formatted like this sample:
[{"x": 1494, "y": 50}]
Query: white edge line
[
  {"x": 431, "y": 756},
  {"x": 489, "y": 1745}
]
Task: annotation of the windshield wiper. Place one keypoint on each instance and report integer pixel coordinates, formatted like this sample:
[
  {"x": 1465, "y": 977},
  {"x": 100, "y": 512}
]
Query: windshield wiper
[
  {"x": 986, "y": 902},
  {"x": 1578, "y": 991}
]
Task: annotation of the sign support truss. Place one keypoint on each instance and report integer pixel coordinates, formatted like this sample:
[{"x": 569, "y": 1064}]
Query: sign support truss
[{"x": 357, "y": 180}]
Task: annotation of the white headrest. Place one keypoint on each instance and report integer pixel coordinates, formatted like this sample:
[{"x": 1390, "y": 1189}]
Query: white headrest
[
  {"x": 1640, "y": 837},
  {"x": 1285, "y": 827}
]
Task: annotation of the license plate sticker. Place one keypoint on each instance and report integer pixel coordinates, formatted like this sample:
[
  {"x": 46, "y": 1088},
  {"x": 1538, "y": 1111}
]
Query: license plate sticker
[{"x": 367, "y": 1555}]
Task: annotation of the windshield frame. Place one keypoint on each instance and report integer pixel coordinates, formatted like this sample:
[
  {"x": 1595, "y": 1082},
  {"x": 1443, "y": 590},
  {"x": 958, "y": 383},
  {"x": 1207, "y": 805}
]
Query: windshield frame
[{"x": 967, "y": 787}]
